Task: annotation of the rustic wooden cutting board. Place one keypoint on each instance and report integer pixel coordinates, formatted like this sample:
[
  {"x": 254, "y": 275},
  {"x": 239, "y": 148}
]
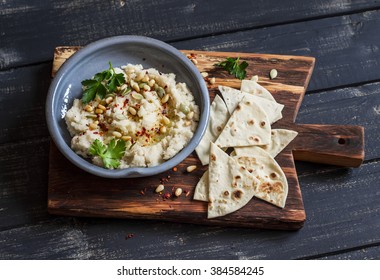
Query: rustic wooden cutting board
[{"x": 77, "y": 193}]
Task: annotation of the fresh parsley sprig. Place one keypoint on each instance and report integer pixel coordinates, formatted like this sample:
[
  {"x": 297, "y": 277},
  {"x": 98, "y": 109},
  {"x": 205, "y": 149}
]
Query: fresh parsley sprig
[
  {"x": 101, "y": 84},
  {"x": 234, "y": 68},
  {"x": 110, "y": 154}
]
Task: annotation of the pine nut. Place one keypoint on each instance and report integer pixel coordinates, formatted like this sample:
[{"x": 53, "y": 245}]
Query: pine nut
[
  {"x": 110, "y": 120},
  {"x": 163, "y": 129},
  {"x": 139, "y": 76},
  {"x": 152, "y": 82},
  {"x": 145, "y": 79},
  {"x": 126, "y": 138},
  {"x": 88, "y": 108},
  {"x": 93, "y": 126},
  {"x": 132, "y": 111},
  {"x": 190, "y": 115},
  {"x": 109, "y": 99},
  {"x": 204, "y": 74},
  {"x": 100, "y": 106},
  {"x": 187, "y": 123},
  {"x": 146, "y": 87},
  {"x": 165, "y": 98},
  {"x": 178, "y": 192},
  {"x": 99, "y": 111},
  {"x": 116, "y": 134},
  {"x": 160, "y": 188},
  {"x": 191, "y": 168},
  {"x": 212, "y": 81},
  {"x": 135, "y": 86},
  {"x": 137, "y": 96},
  {"x": 166, "y": 120}
]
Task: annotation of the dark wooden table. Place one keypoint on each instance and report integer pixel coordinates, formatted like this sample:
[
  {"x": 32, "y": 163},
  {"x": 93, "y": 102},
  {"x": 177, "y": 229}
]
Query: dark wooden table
[{"x": 342, "y": 205}]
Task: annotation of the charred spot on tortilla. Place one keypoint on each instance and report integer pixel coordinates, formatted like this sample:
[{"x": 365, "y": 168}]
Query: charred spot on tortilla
[
  {"x": 237, "y": 177},
  {"x": 273, "y": 175},
  {"x": 213, "y": 157},
  {"x": 238, "y": 107},
  {"x": 262, "y": 124},
  {"x": 237, "y": 194},
  {"x": 219, "y": 128},
  {"x": 251, "y": 122},
  {"x": 277, "y": 187},
  {"x": 250, "y": 170},
  {"x": 226, "y": 193}
]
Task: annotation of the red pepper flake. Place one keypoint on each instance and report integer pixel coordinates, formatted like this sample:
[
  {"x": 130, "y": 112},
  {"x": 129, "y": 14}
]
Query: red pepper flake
[
  {"x": 130, "y": 235},
  {"x": 187, "y": 193},
  {"x": 175, "y": 169},
  {"x": 125, "y": 102},
  {"x": 142, "y": 192},
  {"x": 166, "y": 86},
  {"x": 168, "y": 176},
  {"x": 95, "y": 132},
  {"x": 166, "y": 196}
]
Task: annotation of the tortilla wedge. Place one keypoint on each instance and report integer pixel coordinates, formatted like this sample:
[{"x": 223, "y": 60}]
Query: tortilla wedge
[
  {"x": 251, "y": 86},
  {"x": 280, "y": 139},
  {"x": 218, "y": 118},
  {"x": 230, "y": 186},
  {"x": 233, "y": 97},
  {"x": 273, "y": 186},
  {"x": 201, "y": 189},
  {"x": 248, "y": 125}
]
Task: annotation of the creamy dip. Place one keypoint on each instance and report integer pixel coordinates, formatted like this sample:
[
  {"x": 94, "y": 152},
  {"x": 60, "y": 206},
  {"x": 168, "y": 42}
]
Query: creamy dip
[{"x": 151, "y": 112}]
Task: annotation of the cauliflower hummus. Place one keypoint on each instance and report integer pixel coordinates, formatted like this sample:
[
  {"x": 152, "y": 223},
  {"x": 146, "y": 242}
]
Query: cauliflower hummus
[{"x": 153, "y": 114}]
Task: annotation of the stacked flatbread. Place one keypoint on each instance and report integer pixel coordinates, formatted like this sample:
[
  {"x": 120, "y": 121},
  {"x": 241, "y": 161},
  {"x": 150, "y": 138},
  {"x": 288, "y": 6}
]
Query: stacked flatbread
[{"x": 243, "y": 121}]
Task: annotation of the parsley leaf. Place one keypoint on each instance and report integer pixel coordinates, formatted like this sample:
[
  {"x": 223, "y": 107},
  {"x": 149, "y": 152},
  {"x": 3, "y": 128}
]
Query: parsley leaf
[
  {"x": 234, "y": 68},
  {"x": 110, "y": 154},
  {"x": 101, "y": 84}
]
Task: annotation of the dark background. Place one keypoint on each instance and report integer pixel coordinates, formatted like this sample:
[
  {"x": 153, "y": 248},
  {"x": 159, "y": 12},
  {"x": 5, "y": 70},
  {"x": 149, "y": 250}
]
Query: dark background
[{"x": 342, "y": 205}]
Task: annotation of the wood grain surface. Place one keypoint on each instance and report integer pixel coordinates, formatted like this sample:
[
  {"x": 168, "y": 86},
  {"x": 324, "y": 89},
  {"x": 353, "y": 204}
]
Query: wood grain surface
[{"x": 135, "y": 198}]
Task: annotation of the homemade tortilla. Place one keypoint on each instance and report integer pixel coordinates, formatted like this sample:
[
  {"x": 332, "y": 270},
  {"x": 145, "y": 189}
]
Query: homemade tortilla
[
  {"x": 230, "y": 186},
  {"x": 248, "y": 125},
  {"x": 233, "y": 97},
  {"x": 218, "y": 118},
  {"x": 273, "y": 186},
  {"x": 201, "y": 190},
  {"x": 251, "y": 86},
  {"x": 280, "y": 139}
]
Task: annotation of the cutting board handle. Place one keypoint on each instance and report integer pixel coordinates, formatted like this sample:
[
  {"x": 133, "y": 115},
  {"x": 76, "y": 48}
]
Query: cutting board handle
[{"x": 341, "y": 145}]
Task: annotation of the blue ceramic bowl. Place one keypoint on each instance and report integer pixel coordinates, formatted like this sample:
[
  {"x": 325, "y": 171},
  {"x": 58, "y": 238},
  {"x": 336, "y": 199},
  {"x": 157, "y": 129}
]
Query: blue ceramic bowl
[{"x": 120, "y": 50}]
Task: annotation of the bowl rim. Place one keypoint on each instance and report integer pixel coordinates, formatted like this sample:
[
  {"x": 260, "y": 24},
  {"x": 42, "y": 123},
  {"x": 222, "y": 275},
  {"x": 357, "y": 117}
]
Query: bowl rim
[{"x": 130, "y": 172}]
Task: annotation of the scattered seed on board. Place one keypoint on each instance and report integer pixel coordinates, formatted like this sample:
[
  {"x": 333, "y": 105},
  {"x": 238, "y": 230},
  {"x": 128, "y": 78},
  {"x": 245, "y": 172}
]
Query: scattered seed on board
[
  {"x": 204, "y": 74},
  {"x": 273, "y": 74},
  {"x": 193, "y": 60},
  {"x": 191, "y": 168},
  {"x": 160, "y": 188},
  {"x": 178, "y": 192},
  {"x": 212, "y": 81}
]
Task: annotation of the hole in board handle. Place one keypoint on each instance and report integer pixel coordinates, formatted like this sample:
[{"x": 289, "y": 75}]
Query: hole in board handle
[{"x": 341, "y": 141}]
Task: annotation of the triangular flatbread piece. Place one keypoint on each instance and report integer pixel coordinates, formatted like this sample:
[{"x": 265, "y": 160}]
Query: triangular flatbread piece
[
  {"x": 230, "y": 186},
  {"x": 280, "y": 139},
  {"x": 233, "y": 97},
  {"x": 218, "y": 118},
  {"x": 201, "y": 190},
  {"x": 248, "y": 125},
  {"x": 273, "y": 186},
  {"x": 254, "y": 88}
]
